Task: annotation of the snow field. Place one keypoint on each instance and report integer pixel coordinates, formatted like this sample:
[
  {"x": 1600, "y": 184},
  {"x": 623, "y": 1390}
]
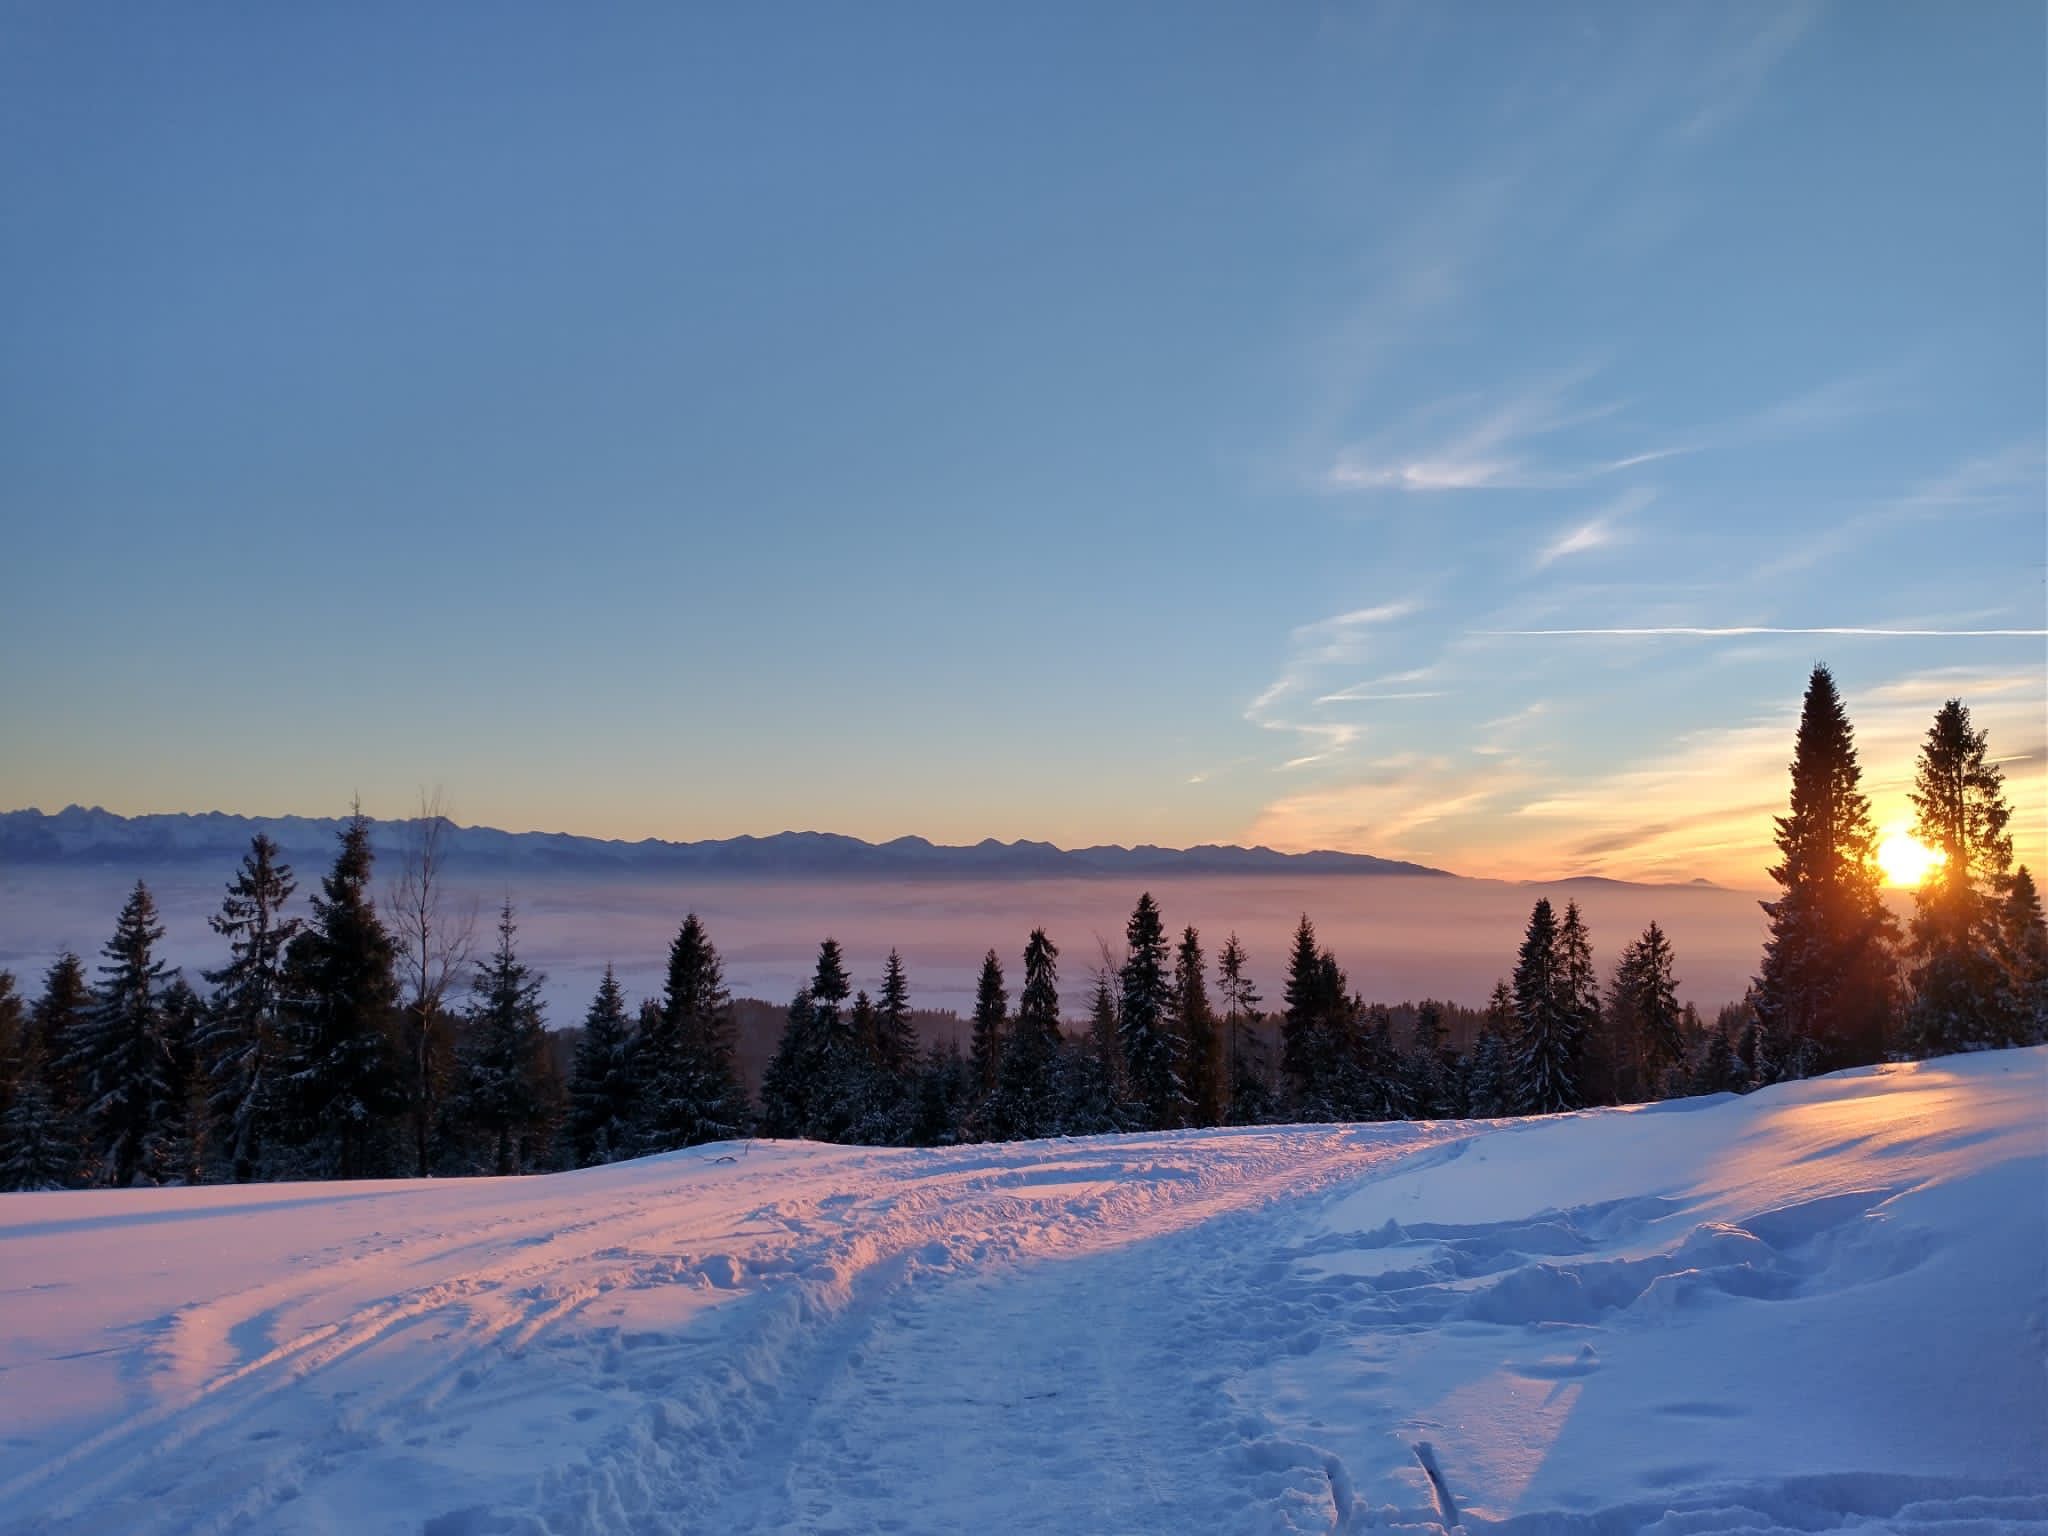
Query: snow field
[{"x": 1817, "y": 1308}]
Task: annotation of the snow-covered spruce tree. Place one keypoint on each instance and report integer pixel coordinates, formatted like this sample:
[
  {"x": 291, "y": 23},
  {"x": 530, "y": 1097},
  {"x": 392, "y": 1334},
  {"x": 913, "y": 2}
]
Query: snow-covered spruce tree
[
  {"x": 1376, "y": 1076},
  {"x": 343, "y": 1088},
  {"x": 1959, "y": 992},
  {"x": 120, "y": 1055},
  {"x": 239, "y": 1044},
  {"x": 1194, "y": 1021},
  {"x": 2023, "y": 959},
  {"x": 1646, "y": 1020},
  {"x": 1546, "y": 1050},
  {"x": 1489, "y": 1075},
  {"x": 1248, "y": 1088},
  {"x": 1144, "y": 1022},
  {"x": 1028, "y": 1075},
  {"x": 502, "y": 1097},
  {"x": 1826, "y": 987},
  {"x": 604, "y": 1086},
  {"x": 991, "y": 1018},
  {"x": 690, "y": 1088}
]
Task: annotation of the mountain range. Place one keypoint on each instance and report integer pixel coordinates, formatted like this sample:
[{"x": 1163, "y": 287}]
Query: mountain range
[{"x": 89, "y": 836}]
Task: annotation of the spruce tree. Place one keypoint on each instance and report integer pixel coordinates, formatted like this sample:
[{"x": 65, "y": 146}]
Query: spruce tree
[
  {"x": 690, "y": 1086},
  {"x": 121, "y": 1056},
  {"x": 343, "y": 1086},
  {"x": 895, "y": 1034},
  {"x": 59, "y": 1020},
  {"x": 1319, "y": 1035},
  {"x": 1094, "y": 1096},
  {"x": 38, "y": 1148},
  {"x": 1195, "y": 1024},
  {"x": 1431, "y": 1072},
  {"x": 1959, "y": 996},
  {"x": 2023, "y": 961},
  {"x": 991, "y": 1015},
  {"x": 240, "y": 1044},
  {"x": 604, "y": 1083},
  {"x": 1548, "y": 1021},
  {"x": 1027, "y": 1089},
  {"x": 811, "y": 1087},
  {"x": 1248, "y": 1091},
  {"x": 1581, "y": 987},
  {"x": 1825, "y": 989},
  {"x": 1643, "y": 1003},
  {"x": 13, "y": 1037},
  {"x": 502, "y": 1094},
  {"x": 1144, "y": 1003}
]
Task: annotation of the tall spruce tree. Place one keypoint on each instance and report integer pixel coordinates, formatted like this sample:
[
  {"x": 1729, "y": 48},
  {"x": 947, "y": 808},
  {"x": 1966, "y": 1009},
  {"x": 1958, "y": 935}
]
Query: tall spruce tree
[
  {"x": 240, "y": 1044},
  {"x": 604, "y": 1083},
  {"x": 122, "y": 1055},
  {"x": 691, "y": 1090},
  {"x": 1144, "y": 1002},
  {"x": 1959, "y": 996},
  {"x": 991, "y": 1017},
  {"x": 1195, "y": 1023},
  {"x": 343, "y": 1085},
  {"x": 1825, "y": 992},
  {"x": 1027, "y": 1088},
  {"x": 1314, "y": 997},
  {"x": 1548, "y": 1023},
  {"x": 502, "y": 1095},
  {"x": 895, "y": 1033},
  {"x": 1581, "y": 985}
]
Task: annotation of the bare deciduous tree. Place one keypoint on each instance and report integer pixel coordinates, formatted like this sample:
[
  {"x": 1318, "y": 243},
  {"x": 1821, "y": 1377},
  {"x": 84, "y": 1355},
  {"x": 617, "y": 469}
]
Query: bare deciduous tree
[{"x": 435, "y": 936}]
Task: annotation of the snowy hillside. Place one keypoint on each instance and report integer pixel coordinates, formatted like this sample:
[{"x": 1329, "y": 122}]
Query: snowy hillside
[{"x": 1817, "y": 1308}]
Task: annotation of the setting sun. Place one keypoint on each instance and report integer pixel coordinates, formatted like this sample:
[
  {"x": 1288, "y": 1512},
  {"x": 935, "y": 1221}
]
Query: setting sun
[{"x": 1906, "y": 860}]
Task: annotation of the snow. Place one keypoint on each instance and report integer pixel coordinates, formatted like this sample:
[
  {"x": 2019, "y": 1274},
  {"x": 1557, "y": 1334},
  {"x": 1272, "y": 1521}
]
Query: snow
[{"x": 1820, "y": 1307}]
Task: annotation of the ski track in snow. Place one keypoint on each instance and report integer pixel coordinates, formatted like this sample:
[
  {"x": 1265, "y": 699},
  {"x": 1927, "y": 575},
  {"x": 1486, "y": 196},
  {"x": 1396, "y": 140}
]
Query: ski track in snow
[{"x": 1571, "y": 1325}]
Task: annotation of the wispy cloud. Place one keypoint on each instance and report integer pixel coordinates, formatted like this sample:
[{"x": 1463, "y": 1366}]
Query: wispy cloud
[
  {"x": 1343, "y": 639},
  {"x": 1462, "y": 444},
  {"x": 1596, "y": 532}
]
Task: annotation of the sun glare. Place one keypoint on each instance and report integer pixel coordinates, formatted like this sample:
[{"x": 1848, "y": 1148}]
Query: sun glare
[{"x": 1906, "y": 860}]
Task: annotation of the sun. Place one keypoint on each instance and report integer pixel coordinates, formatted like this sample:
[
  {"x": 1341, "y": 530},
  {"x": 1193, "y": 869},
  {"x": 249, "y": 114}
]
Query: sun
[{"x": 1906, "y": 860}]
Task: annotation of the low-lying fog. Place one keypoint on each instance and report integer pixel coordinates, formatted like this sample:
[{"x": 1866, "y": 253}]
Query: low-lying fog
[{"x": 1397, "y": 937}]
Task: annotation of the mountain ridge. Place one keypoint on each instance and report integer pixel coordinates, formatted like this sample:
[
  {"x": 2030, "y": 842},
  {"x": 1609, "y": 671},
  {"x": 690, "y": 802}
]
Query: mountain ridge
[{"x": 93, "y": 835}]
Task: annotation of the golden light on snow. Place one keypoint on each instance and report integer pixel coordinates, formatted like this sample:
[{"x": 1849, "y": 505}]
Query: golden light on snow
[{"x": 1906, "y": 860}]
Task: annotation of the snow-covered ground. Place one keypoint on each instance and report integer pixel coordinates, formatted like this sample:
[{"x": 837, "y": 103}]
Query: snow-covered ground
[{"x": 1818, "y": 1308}]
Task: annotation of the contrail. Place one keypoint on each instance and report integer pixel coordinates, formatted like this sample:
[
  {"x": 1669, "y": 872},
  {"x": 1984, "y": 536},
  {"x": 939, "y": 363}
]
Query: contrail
[{"x": 1703, "y": 632}]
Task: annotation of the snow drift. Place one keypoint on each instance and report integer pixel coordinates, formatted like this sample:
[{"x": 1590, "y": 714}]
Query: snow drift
[{"x": 1817, "y": 1308}]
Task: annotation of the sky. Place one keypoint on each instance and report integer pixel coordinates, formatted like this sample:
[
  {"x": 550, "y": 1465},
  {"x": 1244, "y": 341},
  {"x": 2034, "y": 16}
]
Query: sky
[{"x": 1451, "y": 432}]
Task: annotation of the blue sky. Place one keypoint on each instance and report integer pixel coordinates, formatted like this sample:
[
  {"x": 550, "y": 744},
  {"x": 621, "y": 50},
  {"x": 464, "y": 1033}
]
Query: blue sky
[{"x": 1100, "y": 424}]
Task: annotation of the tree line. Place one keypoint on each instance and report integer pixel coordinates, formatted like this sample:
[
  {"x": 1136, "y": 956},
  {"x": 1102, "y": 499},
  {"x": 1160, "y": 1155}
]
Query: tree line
[{"x": 331, "y": 1046}]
